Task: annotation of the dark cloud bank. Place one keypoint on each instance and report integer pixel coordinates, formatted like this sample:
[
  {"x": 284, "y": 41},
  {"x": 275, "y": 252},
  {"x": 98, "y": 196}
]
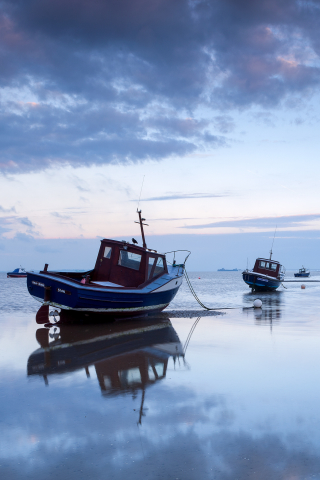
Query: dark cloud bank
[{"x": 116, "y": 81}]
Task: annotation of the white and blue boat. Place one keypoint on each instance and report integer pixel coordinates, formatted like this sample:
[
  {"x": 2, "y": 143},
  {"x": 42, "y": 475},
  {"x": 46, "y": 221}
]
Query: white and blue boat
[
  {"x": 17, "y": 273},
  {"x": 303, "y": 272},
  {"x": 127, "y": 280},
  {"x": 266, "y": 275}
]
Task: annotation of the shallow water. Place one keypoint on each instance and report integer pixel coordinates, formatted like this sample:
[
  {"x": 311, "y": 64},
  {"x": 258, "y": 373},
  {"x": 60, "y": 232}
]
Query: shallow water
[{"x": 232, "y": 396}]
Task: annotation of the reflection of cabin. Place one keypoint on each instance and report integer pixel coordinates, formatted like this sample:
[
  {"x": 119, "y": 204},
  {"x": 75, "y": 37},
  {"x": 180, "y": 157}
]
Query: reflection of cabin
[
  {"x": 127, "y": 265},
  {"x": 132, "y": 371},
  {"x": 267, "y": 267}
]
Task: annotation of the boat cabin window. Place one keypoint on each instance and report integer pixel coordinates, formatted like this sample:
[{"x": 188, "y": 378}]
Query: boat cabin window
[
  {"x": 156, "y": 370},
  {"x": 129, "y": 260},
  {"x": 269, "y": 266},
  {"x": 159, "y": 369},
  {"x": 132, "y": 376},
  {"x": 107, "y": 252},
  {"x": 107, "y": 382},
  {"x": 150, "y": 265},
  {"x": 159, "y": 267}
]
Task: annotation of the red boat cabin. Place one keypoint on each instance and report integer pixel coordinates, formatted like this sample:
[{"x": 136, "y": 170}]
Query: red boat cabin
[
  {"x": 126, "y": 264},
  {"x": 267, "y": 267}
]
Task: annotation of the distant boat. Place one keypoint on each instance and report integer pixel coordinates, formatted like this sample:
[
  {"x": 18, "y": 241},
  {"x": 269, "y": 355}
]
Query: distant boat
[
  {"x": 303, "y": 272},
  {"x": 226, "y": 270},
  {"x": 266, "y": 275},
  {"x": 17, "y": 273}
]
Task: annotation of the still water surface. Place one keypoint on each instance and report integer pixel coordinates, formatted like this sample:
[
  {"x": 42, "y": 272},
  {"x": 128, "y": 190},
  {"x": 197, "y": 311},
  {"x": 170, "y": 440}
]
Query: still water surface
[{"x": 226, "y": 397}]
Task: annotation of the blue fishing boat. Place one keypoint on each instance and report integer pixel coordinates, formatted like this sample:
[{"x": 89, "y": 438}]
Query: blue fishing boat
[
  {"x": 266, "y": 275},
  {"x": 127, "y": 280},
  {"x": 303, "y": 272},
  {"x": 17, "y": 273}
]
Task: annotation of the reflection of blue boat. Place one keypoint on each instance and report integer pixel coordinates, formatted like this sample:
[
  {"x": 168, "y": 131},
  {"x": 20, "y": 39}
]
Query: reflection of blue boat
[
  {"x": 303, "y": 272},
  {"x": 127, "y": 280},
  {"x": 266, "y": 275},
  {"x": 127, "y": 355},
  {"x": 17, "y": 273}
]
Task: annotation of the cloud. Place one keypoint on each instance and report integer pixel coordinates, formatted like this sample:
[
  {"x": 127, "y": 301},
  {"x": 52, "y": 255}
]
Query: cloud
[
  {"x": 99, "y": 82},
  {"x": 170, "y": 219},
  {"x": 7, "y": 210},
  {"x": 60, "y": 216},
  {"x": 264, "y": 222},
  {"x": 25, "y": 221},
  {"x": 13, "y": 224},
  {"x": 182, "y": 196}
]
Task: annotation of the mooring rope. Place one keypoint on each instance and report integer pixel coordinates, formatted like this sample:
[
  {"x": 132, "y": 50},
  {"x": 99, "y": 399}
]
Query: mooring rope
[{"x": 199, "y": 301}]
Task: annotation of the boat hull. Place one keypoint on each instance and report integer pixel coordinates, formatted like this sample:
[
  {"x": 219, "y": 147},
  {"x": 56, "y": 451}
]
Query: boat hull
[
  {"x": 260, "y": 283},
  {"x": 16, "y": 275},
  {"x": 68, "y": 295},
  {"x": 302, "y": 274}
]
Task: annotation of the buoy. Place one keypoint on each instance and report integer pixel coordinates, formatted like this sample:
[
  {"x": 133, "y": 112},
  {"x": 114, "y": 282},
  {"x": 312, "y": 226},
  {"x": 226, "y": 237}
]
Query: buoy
[
  {"x": 303, "y": 287},
  {"x": 257, "y": 303},
  {"x": 199, "y": 278}
]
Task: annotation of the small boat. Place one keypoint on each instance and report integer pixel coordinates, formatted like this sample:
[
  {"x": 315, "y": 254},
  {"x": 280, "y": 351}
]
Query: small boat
[
  {"x": 303, "y": 272},
  {"x": 127, "y": 280},
  {"x": 266, "y": 275},
  {"x": 17, "y": 273}
]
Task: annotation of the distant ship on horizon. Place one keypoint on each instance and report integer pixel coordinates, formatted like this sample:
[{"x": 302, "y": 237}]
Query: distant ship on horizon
[{"x": 226, "y": 270}]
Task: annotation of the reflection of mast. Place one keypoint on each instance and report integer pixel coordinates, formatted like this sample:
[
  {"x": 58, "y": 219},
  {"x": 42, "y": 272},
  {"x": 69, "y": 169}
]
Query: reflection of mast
[
  {"x": 190, "y": 335},
  {"x": 141, "y": 412}
]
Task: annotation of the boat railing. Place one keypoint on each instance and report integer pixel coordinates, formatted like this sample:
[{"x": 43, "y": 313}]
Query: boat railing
[
  {"x": 174, "y": 262},
  {"x": 282, "y": 271}
]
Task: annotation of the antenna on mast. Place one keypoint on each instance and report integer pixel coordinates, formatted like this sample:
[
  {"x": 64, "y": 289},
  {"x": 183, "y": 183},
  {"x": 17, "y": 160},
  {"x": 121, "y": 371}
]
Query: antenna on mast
[
  {"x": 273, "y": 241},
  {"x": 140, "y": 192},
  {"x": 141, "y": 220}
]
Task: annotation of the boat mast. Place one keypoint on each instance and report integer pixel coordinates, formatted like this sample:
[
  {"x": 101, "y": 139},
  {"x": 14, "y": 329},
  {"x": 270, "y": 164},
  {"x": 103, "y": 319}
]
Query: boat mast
[{"x": 141, "y": 220}]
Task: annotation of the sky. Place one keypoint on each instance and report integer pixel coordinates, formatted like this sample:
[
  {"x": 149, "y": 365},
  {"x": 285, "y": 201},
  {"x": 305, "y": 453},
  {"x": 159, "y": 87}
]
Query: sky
[{"x": 208, "y": 111}]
